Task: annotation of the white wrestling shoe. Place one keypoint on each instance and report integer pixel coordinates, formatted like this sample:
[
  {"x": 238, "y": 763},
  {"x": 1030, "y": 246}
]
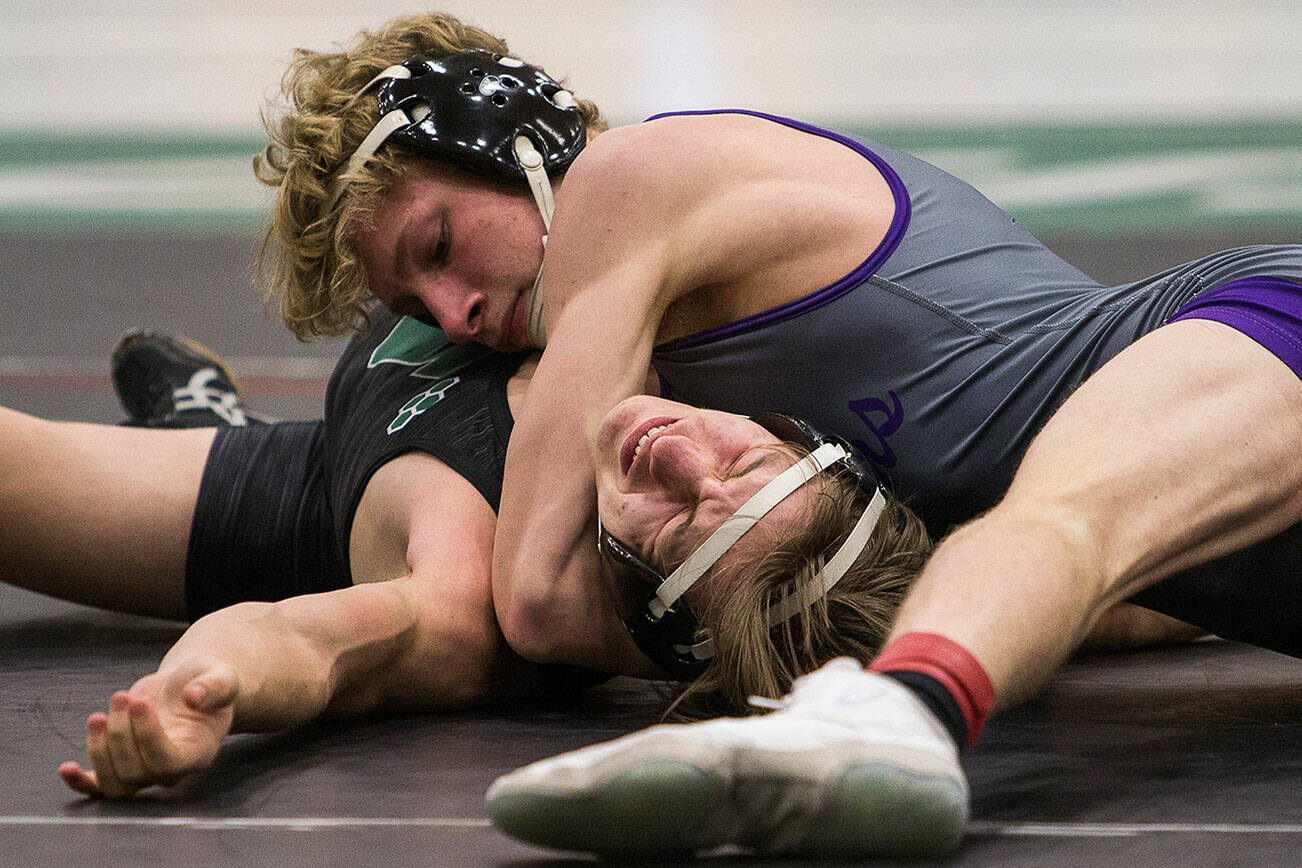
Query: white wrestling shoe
[{"x": 854, "y": 765}]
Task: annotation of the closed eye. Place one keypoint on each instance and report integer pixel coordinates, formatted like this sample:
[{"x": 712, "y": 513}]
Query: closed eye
[
  {"x": 442, "y": 246},
  {"x": 732, "y": 471},
  {"x": 676, "y": 538}
]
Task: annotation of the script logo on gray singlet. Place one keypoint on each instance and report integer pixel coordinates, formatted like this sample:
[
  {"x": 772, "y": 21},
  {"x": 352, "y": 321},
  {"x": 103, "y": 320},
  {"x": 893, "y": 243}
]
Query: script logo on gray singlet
[
  {"x": 431, "y": 356},
  {"x": 882, "y": 420}
]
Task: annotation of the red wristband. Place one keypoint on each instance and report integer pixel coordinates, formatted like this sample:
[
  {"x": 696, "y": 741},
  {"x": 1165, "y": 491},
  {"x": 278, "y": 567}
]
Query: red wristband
[{"x": 949, "y": 663}]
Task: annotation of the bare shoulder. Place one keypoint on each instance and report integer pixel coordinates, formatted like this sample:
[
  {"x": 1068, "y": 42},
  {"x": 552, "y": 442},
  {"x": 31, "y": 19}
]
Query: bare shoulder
[
  {"x": 667, "y": 158},
  {"x": 706, "y": 149},
  {"x": 693, "y": 193},
  {"x": 630, "y": 170},
  {"x": 416, "y": 509},
  {"x": 757, "y": 211}
]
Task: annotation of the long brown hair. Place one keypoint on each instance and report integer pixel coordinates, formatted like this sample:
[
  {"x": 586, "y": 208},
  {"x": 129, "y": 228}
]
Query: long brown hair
[{"x": 751, "y": 659}]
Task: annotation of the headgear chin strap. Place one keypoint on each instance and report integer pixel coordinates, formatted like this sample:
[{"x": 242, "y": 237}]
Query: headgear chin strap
[
  {"x": 687, "y": 659},
  {"x": 797, "y": 600},
  {"x": 745, "y": 518},
  {"x": 494, "y": 113}
]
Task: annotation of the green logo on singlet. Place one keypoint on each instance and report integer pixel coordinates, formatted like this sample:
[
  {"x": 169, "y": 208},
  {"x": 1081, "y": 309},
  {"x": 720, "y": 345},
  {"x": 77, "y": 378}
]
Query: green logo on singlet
[{"x": 431, "y": 356}]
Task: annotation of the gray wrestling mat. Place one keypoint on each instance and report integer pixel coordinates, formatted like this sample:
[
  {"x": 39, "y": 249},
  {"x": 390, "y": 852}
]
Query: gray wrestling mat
[{"x": 1188, "y": 756}]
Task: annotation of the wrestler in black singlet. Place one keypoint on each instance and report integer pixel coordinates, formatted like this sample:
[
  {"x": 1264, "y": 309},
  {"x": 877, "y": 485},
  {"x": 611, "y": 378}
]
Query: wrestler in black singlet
[{"x": 276, "y": 501}]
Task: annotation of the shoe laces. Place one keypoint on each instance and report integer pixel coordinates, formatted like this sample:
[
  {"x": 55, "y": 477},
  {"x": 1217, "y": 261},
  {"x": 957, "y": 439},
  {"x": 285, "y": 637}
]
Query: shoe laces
[{"x": 766, "y": 703}]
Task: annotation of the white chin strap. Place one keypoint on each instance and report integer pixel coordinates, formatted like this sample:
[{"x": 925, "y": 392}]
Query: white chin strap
[
  {"x": 799, "y": 599},
  {"x": 532, "y": 163},
  {"x": 745, "y": 518},
  {"x": 527, "y": 158}
]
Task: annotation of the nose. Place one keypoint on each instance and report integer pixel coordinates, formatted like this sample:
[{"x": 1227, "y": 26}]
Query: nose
[
  {"x": 683, "y": 467},
  {"x": 459, "y": 309}
]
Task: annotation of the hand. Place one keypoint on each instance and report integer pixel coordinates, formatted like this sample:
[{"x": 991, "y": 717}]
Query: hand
[{"x": 169, "y": 724}]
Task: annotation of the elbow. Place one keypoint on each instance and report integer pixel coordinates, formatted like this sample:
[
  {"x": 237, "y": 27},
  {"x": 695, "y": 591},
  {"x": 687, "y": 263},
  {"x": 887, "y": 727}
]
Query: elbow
[
  {"x": 523, "y": 609},
  {"x": 551, "y": 608},
  {"x": 528, "y": 626}
]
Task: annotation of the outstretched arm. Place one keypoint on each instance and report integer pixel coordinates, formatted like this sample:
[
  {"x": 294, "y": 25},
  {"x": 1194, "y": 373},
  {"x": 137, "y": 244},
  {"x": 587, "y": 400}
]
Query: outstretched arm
[
  {"x": 425, "y": 639},
  {"x": 250, "y": 667}
]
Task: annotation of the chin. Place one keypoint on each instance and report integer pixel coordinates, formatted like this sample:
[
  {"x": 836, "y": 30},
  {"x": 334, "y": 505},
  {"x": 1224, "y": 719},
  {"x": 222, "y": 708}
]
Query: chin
[
  {"x": 622, "y": 415},
  {"x": 645, "y": 406},
  {"x": 609, "y": 437}
]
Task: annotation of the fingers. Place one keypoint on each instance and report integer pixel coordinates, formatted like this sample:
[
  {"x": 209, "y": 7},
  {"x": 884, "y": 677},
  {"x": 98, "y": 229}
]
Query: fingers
[
  {"x": 153, "y": 746},
  {"x": 128, "y": 749},
  {"x": 164, "y": 728},
  {"x": 121, "y": 739},
  {"x": 79, "y": 779},
  {"x": 111, "y": 783}
]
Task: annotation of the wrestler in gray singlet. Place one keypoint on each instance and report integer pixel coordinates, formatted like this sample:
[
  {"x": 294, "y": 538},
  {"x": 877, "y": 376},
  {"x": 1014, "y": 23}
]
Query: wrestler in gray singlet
[
  {"x": 944, "y": 353},
  {"x": 951, "y": 345}
]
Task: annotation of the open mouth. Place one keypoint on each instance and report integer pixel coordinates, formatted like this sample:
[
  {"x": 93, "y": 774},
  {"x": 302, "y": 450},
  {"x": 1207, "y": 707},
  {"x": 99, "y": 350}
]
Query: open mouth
[{"x": 642, "y": 435}]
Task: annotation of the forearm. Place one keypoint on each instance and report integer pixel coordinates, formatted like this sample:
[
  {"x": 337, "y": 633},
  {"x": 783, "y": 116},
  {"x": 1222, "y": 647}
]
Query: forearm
[
  {"x": 297, "y": 659},
  {"x": 549, "y": 493}
]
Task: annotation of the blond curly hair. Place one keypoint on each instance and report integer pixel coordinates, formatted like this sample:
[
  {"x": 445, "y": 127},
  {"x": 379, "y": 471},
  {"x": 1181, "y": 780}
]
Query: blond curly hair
[{"x": 306, "y": 263}]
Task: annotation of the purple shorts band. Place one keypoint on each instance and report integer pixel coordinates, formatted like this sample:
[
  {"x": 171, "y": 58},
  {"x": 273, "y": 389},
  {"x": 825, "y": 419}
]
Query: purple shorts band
[{"x": 1266, "y": 309}]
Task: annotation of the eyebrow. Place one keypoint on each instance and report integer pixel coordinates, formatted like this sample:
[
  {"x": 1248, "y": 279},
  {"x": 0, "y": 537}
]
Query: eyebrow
[
  {"x": 402, "y": 250},
  {"x": 769, "y": 453}
]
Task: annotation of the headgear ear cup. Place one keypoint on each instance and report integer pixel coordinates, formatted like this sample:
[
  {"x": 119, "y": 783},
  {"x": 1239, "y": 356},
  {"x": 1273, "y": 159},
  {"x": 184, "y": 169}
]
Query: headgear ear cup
[{"x": 470, "y": 108}]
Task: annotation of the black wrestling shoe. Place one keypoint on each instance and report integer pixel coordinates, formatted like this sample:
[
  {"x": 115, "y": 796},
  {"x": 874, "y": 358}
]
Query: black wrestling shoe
[{"x": 169, "y": 381}]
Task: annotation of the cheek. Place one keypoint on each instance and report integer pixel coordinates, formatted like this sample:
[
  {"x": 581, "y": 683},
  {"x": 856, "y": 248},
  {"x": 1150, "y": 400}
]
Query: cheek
[
  {"x": 498, "y": 255},
  {"x": 637, "y": 523},
  {"x": 520, "y": 236}
]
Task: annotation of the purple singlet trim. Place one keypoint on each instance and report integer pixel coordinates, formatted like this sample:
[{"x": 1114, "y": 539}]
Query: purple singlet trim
[
  {"x": 1266, "y": 309},
  {"x": 833, "y": 291}
]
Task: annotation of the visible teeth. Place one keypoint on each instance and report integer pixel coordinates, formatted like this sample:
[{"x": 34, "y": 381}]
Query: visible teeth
[{"x": 637, "y": 450}]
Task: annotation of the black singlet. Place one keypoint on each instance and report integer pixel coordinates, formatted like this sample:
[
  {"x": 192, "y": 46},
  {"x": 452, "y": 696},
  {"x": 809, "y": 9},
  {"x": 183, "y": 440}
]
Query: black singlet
[{"x": 276, "y": 502}]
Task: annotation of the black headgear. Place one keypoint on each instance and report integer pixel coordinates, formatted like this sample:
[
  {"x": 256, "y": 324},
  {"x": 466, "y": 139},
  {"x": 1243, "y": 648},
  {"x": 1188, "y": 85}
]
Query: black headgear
[
  {"x": 493, "y": 113},
  {"x": 471, "y": 107}
]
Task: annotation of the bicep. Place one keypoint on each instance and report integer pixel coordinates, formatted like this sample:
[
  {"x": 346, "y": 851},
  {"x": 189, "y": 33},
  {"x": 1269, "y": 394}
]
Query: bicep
[
  {"x": 425, "y": 523},
  {"x": 1184, "y": 447}
]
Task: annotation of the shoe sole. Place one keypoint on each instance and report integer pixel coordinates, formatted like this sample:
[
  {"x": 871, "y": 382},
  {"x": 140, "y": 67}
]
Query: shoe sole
[
  {"x": 881, "y": 810},
  {"x": 651, "y": 811},
  {"x": 657, "y": 811}
]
